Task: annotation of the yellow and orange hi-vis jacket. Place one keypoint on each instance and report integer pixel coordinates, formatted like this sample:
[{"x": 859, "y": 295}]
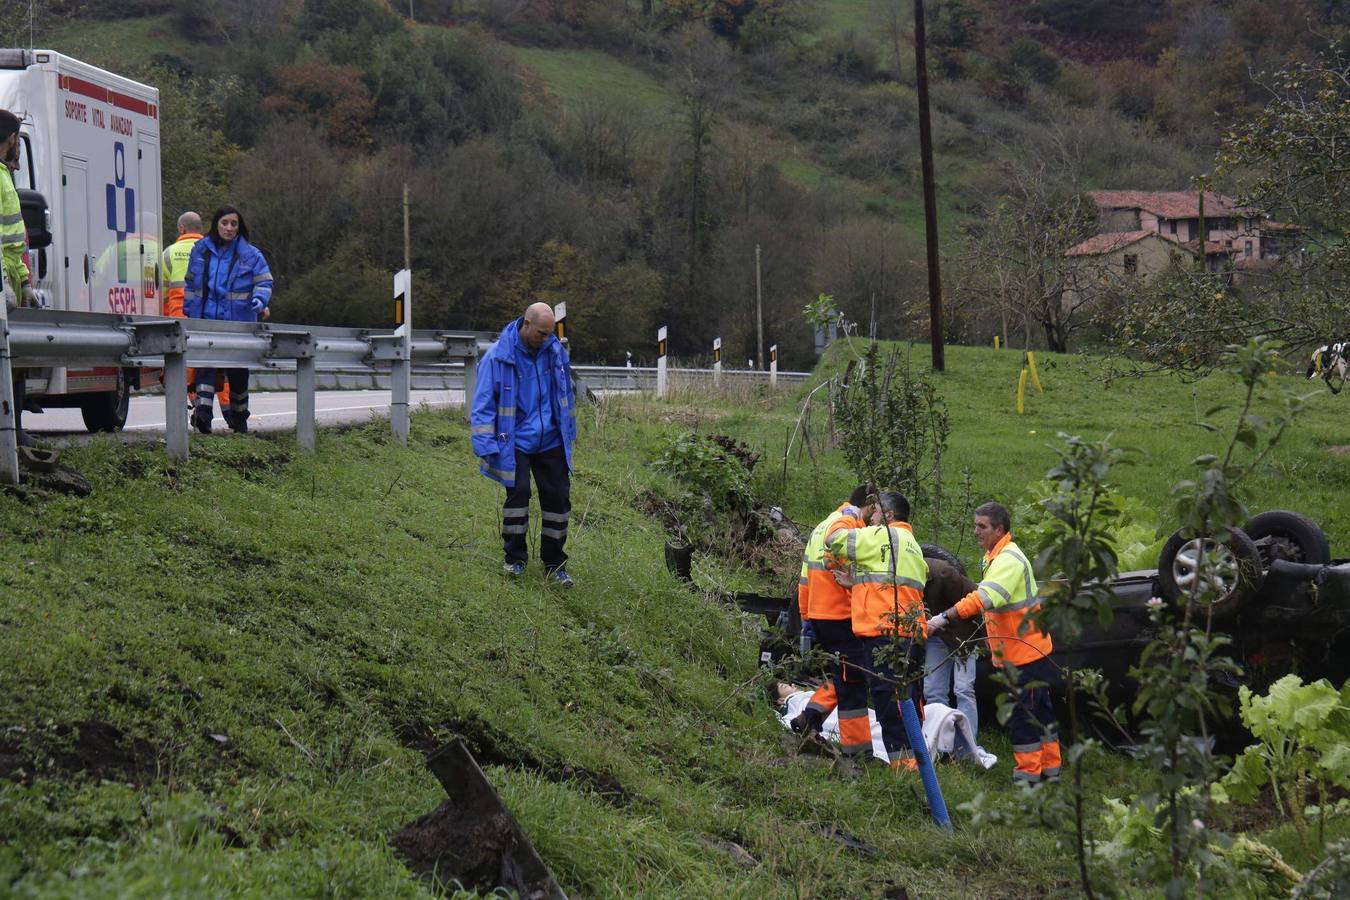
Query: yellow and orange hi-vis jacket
[
  {"x": 1007, "y": 596},
  {"x": 889, "y": 573},
  {"x": 819, "y": 596}
]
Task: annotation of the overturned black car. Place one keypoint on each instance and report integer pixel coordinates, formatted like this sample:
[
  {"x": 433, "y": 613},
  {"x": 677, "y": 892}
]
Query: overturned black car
[{"x": 1283, "y": 601}]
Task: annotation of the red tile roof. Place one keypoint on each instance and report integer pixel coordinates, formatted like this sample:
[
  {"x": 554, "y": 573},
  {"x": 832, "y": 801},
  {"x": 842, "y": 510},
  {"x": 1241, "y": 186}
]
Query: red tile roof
[
  {"x": 1170, "y": 204},
  {"x": 1107, "y": 242}
]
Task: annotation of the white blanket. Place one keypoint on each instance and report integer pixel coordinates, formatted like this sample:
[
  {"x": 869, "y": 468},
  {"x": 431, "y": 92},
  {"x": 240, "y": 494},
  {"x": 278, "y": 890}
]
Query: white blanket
[{"x": 941, "y": 725}]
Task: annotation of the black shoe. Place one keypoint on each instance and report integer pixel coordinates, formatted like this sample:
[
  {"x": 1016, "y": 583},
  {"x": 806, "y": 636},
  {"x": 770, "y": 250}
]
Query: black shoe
[
  {"x": 201, "y": 419},
  {"x": 238, "y": 422},
  {"x": 24, "y": 439},
  {"x": 807, "y": 720}
]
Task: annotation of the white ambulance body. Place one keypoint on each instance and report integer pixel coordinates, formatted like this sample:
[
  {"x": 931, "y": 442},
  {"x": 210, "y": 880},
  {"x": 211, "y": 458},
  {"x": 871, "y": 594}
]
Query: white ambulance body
[{"x": 89, "y": 144}]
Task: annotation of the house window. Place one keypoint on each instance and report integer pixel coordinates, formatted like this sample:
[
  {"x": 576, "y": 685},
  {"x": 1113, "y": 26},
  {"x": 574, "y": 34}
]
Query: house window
[
  {"x": 1172, "y": 226},
  {"x": 1247, "y": 247},
  {"x": 1131, "y": 262}
]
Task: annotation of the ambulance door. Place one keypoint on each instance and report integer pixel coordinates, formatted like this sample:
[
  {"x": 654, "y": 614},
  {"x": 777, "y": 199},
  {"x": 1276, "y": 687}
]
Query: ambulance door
[
  {"x": 147, "y": 158},
  {"x": 74, "y": 234}
]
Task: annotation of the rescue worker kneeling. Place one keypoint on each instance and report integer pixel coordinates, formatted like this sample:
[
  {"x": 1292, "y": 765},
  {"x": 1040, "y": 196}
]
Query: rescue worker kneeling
[
  {"x": 1007, "y": 597},
  {"x": 888, "y": 573}
]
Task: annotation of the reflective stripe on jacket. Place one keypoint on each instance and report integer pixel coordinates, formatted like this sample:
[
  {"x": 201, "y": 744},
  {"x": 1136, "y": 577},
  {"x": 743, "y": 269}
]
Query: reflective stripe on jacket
[
  {"x": 494, "y": 417},
  {"x": 13, "y": 236},
  {"x": 889, "y": 572},
  {"x": 1007, "y": 596},
  {"x": 175, "y": 261},
  {"x": 819, "y": 596},
  {"x": 245, "y": 278}
]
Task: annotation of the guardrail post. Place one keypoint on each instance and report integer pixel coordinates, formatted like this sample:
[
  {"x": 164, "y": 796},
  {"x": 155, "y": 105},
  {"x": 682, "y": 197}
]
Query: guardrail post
[
  {"x": 470, "y": 381},
  {"x": 9, "y": 416},
  {"x": 165, "y": 338},
  {"x": 175, "y": 406},
  {"x": 299, "y": 345},
  {"x": 304, "y": 403}
]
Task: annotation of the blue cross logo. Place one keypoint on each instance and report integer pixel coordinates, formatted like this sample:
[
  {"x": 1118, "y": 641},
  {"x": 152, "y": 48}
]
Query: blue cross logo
[{"x": 129, "y": 218}]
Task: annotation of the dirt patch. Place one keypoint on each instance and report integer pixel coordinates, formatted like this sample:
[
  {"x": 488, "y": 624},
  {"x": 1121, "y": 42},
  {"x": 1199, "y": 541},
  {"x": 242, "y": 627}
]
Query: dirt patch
[
  {"x": 102, "y": 751},
  {"x": 449, "y": 847},
  {"x": 1339, "y": 450},
  {"x": 14, "y": 766},
  {"x": 235, "y": 557},
  {"x": 493, "y": 748}
]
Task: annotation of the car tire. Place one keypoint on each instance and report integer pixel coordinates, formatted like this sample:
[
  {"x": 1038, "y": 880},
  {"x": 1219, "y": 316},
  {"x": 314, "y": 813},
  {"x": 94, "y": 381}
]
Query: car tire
[
  {"x": 1291, "y": 536},
  {"x": 107, "y": 410},
  {"x": 1241, "y": 577},
  {"x": 937, "y": 551}
]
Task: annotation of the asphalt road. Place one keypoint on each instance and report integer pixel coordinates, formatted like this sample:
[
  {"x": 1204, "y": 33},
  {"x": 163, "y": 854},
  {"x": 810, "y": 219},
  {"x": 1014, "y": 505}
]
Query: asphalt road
[{"x": 269, "y": 411}]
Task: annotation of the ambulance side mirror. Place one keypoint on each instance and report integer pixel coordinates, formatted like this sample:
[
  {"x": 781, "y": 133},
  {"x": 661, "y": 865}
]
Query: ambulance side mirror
[{"x": 36, "y": 219}]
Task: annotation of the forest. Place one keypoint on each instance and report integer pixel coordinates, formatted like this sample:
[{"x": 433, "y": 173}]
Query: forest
[{"x": 632, "y": 157}]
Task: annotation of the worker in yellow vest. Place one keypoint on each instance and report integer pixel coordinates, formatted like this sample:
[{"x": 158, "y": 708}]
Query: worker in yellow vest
[
  {"x": 826, "y": 610},
  {"x": 888, "y": 573},
  {"x": 13, "y": 247},
  {"x": 1006, "y": 595},
  {"x": 175, "y": 259}
]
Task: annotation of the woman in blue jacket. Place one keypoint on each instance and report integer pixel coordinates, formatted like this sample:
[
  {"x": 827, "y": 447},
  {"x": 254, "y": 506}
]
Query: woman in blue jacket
[{"x": 227, "y": 278}]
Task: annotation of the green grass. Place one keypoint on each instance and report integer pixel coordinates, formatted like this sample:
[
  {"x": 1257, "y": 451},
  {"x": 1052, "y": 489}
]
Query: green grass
[
  {"x": 576, "y": 76},
  {"x": 276, "y": 638},
  {"x": 123, "y": 45},
  {"x": 1157, "y": 419}
]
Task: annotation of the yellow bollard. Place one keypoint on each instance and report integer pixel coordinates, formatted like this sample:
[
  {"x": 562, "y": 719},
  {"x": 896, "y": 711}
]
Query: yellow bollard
[
  {"x": 1022, "y": 392},
  {"x": 1035, "y": 378},
  {"x": 995, "y": 342}
]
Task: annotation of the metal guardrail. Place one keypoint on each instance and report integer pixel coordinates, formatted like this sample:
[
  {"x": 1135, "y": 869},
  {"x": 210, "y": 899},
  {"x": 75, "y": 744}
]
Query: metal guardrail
[
  {"x": 278, "y": 356},
  {"x": 53, "y": 338}
]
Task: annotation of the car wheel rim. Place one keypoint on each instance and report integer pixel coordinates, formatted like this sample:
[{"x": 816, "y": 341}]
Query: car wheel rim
[{"x": 1220, "y": 573}]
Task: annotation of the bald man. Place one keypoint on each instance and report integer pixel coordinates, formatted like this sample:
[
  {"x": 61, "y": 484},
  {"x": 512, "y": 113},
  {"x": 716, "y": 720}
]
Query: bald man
[{"x": 524, "y": 423}]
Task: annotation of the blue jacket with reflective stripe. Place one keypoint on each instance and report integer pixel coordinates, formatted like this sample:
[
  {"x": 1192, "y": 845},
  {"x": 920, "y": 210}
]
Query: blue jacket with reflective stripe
[
  {"x": 511, "y": 408},
  {"x": 222, "y": 282}
]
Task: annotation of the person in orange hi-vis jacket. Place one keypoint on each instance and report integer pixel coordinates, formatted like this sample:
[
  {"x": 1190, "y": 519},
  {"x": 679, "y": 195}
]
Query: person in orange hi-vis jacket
[
  {"x": 826, "y": 615},
  {"x": 888, "y": 572},
  {"x": 1007, "y": 596}
]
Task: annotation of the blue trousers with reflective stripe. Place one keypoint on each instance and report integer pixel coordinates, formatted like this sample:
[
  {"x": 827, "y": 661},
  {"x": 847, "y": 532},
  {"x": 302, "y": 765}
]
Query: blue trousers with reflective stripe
[
  {"x": 554, "y": 481},
  {"x": 847, "y": 672},
  {"x": 887, "y": 696},
  {"x": 1033, "y": 714}
]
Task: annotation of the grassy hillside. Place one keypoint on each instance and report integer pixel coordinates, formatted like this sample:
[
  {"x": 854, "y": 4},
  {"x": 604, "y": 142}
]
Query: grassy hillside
[{"x": 223, "y": 675}]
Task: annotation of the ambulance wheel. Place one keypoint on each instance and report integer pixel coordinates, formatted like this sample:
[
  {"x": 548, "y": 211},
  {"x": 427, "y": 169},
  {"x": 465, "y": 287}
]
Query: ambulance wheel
[{"x": 107, "y": 410}]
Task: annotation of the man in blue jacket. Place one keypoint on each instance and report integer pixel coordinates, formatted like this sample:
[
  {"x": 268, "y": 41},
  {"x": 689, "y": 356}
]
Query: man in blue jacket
[{"x": 524, "y": 421}]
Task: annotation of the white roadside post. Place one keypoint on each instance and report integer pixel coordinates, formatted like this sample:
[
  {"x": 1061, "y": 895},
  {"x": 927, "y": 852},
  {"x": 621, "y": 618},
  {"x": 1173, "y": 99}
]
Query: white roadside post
[
  {"x": 717, "y": 362},
  {"x": 773, "y": 366},
  {"x": 661, "y": 363},
  {"x": 402, "y": 366},
  {"x": 9, "y": 416},
  {"x": 560, "y": 322}
]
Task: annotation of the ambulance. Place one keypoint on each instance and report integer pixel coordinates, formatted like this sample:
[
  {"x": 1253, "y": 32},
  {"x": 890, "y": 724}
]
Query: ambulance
[{"x": 89, "y": 185}]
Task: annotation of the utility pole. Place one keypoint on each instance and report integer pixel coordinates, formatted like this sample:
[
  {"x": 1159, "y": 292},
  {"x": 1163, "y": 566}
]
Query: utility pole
[
  {"x": 929, "y": 190},
  {"x": 759, "y": 314}
]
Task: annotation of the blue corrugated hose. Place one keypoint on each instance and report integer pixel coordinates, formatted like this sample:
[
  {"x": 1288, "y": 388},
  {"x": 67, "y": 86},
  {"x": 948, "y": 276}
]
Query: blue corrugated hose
[{"x": 926, "y": 770}]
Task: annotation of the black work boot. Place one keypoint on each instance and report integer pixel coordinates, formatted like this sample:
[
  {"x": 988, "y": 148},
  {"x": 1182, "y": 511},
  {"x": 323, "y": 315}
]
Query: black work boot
[
  {"x": 238, "y": 422},
  {"x": 201, "y": 419}
]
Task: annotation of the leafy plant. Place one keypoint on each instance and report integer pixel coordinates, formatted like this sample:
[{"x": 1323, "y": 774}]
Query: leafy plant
[
  {"x": 712, "y": 485},
  {"x": 1304, "y": 735},
  {"x": 893, "y": 428}
]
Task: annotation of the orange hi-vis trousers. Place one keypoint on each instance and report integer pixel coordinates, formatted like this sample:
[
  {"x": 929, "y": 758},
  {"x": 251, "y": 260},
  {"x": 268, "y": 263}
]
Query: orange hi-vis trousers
[{"x": 1032, "y": 727}]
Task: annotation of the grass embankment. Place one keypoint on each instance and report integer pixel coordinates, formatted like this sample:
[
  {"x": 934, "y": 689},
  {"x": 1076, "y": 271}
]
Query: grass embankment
[{"x": 221, "y": 677}]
